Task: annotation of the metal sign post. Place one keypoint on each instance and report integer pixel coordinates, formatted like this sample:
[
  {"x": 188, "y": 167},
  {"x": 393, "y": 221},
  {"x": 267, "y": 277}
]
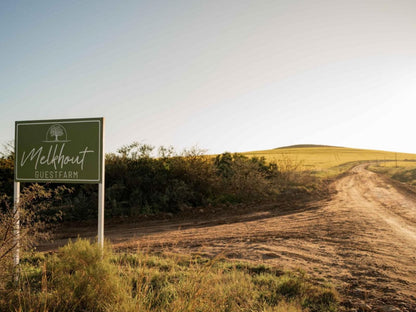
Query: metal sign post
[
  {"x": 101, "y": 195},
  {"x": 60, "y": 151},
  {"x": 16, "y": 227}
]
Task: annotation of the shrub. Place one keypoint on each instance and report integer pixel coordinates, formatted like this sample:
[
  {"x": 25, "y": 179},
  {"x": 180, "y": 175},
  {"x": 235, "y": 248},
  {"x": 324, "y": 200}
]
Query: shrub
[
  {"x": 37, "y": 213},
  {"x": 83, "y": 279},
  {"x": 139, "y": 182},
  {"x": 80, "y": 277},
  {"x": 6, "y": 176}
]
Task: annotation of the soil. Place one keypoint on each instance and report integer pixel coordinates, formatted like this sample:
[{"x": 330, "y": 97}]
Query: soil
[{"x": 362, "y": 239}]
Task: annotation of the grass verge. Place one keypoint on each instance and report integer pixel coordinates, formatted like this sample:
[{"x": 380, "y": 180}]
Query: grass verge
[
  {"x": 403, "y": 171},
  {"x": 80, "y": 277}
]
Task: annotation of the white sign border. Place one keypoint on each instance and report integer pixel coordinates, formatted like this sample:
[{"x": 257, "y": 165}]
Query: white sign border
[{"x": 63, "y": 121}]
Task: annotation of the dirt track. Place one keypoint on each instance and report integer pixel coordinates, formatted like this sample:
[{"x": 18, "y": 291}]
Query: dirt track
[{"x": 363, "y": 240}]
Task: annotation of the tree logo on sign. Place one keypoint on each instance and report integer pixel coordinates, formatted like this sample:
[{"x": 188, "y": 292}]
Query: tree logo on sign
[{"x": 56, "y": 134}]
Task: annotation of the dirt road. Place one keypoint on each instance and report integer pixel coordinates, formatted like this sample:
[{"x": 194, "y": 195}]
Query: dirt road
[{"x": 362, "y": 240}]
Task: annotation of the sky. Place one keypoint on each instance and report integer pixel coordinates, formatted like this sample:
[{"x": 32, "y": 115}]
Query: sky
[{"x": 221, "y": 75}]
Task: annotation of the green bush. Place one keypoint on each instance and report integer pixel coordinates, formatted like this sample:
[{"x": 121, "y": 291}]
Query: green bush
[
  {"x": 6, "y": 176},
  {"x": 84, "y": 279},
  {"x": 138, "y": 182}
]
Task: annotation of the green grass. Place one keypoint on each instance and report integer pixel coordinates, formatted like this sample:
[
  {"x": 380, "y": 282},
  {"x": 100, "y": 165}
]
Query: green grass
[
  {"x": 403, "y": 171},
  {"x": 326, "y": 160},
  {"x": 80, "y": 278}
]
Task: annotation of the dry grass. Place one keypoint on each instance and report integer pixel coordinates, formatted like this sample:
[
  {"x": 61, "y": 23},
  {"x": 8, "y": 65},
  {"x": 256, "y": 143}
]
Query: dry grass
[
  {"x": 407, "y": 165},
  {"x": 78, "y": 278},
  {"x": 331, "y": 160}
]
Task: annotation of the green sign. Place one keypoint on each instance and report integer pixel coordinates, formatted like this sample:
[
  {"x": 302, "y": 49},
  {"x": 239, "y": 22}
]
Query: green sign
[{"x": 69, "y": 150}]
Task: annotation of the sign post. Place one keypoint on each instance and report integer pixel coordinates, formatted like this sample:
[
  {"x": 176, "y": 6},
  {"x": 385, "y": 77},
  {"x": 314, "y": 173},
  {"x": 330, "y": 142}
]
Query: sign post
[
  {"x": 101, "y": 196},
  {"x": 16, "y": 225},
  {"x": 60, "y": 151}
]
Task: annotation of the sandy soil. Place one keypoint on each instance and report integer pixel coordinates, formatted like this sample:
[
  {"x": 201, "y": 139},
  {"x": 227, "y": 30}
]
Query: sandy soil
[{"x": 362, "y": 240}]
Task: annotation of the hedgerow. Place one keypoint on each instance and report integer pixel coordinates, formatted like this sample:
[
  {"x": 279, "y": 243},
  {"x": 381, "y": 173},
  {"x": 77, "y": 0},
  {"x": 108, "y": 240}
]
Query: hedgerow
[{"x": 140, "y": 181}]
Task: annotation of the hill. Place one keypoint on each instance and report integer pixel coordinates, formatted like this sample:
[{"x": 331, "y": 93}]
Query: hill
[
  {"x": 304, "y": 146},
  {"x": 331, "y": 159}
]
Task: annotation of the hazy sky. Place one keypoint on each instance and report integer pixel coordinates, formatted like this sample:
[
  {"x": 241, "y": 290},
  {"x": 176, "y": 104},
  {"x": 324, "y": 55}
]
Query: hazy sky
[{"x": 223, "y": 75}]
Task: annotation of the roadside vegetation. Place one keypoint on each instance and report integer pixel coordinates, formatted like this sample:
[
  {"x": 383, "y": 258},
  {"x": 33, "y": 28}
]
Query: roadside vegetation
[
  {"x": 144, "y": 180},
  {"x": 141, "y": 180},
  {"x": 402, "y": 171},
  {"x": 79, "y": 277},
  {"x": 37, "y": 214}
]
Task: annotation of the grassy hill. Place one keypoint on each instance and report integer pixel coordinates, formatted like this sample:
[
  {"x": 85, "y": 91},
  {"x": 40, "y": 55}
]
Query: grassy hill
[{"x": 331, "y": 159}]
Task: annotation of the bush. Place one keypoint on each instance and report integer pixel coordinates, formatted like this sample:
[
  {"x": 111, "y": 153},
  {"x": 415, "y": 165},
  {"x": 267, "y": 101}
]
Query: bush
[
  {"x": 6, "y": 176},
  {"x": 37, "y": 213},
  {"x": 83, "y": 279},
  {"x": 138, "y": 182},
  {"x": 80, "y": 277}
]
